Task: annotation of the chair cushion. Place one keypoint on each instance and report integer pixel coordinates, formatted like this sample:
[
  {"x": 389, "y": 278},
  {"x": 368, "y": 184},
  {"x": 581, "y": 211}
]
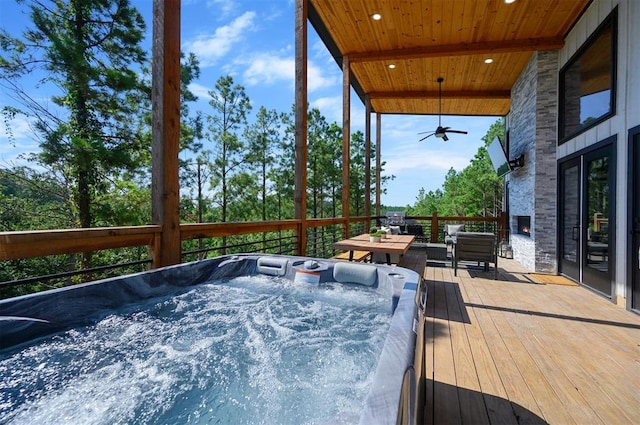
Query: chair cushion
[{"x": 453, "y": 229}]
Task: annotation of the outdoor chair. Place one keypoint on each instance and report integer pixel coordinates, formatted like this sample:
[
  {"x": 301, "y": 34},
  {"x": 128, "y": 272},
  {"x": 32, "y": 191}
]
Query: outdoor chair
[
  {"x": 476, "y": 246},
  {"x": 417, "y": 231}
]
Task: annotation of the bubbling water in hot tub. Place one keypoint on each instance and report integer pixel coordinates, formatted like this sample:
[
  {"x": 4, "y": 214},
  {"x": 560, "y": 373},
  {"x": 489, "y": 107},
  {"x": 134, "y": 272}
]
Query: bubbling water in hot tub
[{"x": 253, "y": 349}]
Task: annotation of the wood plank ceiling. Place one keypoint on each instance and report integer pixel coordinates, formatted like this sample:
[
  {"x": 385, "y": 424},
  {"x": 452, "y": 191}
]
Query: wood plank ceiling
[{"x": 427, "y": 39}]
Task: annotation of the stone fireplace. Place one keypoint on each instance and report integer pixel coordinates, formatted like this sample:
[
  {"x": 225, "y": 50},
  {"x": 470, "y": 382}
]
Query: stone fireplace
[{"x": 532, "y": 188}]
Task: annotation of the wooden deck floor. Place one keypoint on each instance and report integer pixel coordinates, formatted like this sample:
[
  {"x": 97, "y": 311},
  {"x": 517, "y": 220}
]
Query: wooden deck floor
[{"x": 514, "y": 351}]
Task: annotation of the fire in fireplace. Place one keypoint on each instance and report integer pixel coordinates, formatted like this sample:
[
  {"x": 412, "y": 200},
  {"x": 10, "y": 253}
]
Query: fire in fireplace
[{"x": 524, "y": 225}]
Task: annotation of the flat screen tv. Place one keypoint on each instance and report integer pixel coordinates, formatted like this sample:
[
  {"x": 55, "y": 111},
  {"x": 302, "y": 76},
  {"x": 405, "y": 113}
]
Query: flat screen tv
[{"x": 498, "y": 157}]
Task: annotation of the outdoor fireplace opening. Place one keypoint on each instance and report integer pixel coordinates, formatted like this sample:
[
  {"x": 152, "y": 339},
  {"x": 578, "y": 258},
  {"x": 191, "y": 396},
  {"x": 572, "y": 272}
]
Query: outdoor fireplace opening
[{"x": 524, "y": 225}]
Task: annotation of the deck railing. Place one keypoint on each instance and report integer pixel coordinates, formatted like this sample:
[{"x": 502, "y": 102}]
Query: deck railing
[{"x": 132, "y": 248}]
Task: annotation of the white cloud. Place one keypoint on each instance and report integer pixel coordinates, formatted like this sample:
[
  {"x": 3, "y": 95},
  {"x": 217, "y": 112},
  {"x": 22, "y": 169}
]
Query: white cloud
[
  {"x": 317, "y": 78},
  {"x": 271, "y": 68},
  {"x": 268, "y": 69},
  {"x": 407, "y": 159},
  {"x": 199, "y": 90},
  {"x": 331, "y": 107},
  {"x": 211, "y": 47}
]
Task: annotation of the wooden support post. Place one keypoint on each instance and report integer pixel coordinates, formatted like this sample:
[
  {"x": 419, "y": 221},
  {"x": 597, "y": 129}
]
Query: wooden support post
[
  {"x": 166, "y": 130},
  {"x": 346, "y": 141},
  {"x": 367, "y": 161},
  {"x": 300, "y": 195},
  {"x": 378, "y": 161}
]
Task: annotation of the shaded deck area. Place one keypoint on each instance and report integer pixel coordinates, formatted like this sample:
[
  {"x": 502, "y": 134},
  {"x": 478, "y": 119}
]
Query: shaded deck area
[{"x": 517, "y": 351}]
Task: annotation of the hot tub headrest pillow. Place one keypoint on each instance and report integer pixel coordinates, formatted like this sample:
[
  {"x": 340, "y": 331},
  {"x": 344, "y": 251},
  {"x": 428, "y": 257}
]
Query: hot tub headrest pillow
[
  {"x": 361, "y": 274},
  {"x": 272, "y": 266}
]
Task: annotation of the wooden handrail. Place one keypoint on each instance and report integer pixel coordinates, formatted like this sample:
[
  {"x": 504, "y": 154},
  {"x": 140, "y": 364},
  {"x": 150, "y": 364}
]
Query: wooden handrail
[
  {"x": 40, "y": 243},
  {"x": 210, "y": 230}
]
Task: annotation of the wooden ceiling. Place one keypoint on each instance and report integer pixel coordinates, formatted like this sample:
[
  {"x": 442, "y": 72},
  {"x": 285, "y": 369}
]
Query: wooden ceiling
[{"x": 427, "y": 39}]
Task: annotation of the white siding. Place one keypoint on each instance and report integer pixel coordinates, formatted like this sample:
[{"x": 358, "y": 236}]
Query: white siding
[{"x": 627, "y": 105}]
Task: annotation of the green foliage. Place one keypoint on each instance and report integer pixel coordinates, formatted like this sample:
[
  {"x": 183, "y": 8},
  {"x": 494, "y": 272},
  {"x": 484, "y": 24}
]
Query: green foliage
[
  {"x": 31, "y": 200},
  {"x": 263, "y": 138},
  {"x": 87, "y": 49},
  {"x": 230, "y": 106}
]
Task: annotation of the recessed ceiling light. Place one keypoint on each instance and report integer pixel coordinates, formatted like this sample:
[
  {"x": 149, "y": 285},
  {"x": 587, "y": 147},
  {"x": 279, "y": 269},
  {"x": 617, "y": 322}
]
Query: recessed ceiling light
[
  {"x": 392, "y": 65},
  {"x": 509, "y": 1},
  {"x": 488, "y": 60},
  {"x": 376, "y": 16}
]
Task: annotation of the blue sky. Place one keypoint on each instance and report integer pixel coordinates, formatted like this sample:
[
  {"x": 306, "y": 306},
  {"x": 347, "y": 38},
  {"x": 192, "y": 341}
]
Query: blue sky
[{"x": 253, "y": 41}]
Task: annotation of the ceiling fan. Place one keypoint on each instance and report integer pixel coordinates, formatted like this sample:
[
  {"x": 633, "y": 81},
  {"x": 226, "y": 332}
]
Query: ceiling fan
[{"x": 441, "y": 132}]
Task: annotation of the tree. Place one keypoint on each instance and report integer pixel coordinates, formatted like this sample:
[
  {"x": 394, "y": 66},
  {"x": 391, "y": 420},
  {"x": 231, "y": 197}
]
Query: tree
[
  {"x": 317, "y": 155},
  {"x": 282, "y": 175},
  {"x": 263, "y": 138},
  {"x": 230, "y": 106},
  {"x": 333, "y": 169},
  {"x": 426, "y": 203},
  {"x": 89, "y": 49},
  {"x": 32, "y": 200},
  {"x": 356, "y": 174}
]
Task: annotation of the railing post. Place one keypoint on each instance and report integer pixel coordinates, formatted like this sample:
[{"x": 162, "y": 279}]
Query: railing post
[
  {"x": 165, "y": 96},
  {"x": 434, "y": 227}
]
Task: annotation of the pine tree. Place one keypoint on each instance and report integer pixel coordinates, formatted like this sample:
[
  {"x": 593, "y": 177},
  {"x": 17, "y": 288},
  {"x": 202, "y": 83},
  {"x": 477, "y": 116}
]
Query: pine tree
[
  {"x": 230, "y": 106},
  {"x": 90, "y": 49}
]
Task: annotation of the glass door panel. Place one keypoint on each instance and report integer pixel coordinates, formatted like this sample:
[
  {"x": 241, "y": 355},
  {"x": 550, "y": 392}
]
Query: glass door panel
[
  {"x": 598, "y": 179},
  {"x": 570, "y": 219}
]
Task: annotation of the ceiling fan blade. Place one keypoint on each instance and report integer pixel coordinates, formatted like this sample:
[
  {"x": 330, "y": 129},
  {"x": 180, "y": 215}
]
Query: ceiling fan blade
[
  {"x": 428, "y": 135},
  {"x": 457, "y": 131},
  {"x": 444, "y": 137}
]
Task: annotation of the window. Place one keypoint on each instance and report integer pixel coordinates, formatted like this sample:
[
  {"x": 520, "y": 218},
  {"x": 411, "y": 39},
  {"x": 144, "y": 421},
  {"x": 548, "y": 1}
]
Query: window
[{"x": 587, "y": 82}]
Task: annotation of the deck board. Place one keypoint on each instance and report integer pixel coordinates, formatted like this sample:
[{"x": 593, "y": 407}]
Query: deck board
[{"x": 514, "y": 350}]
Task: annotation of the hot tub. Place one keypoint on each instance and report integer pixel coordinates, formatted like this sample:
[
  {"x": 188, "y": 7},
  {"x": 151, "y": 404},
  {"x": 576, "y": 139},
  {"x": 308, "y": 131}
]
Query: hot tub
[{"x": 236, "y": 339}]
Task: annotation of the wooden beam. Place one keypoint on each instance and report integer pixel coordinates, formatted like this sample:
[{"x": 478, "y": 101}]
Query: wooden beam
[
  {"x": 378, "y": 160},
  {"x": 346, "y": 141},
  {"x": 300, "y": 192},
  {"x": 166, "y": 130},
  {"x": 367, "y": 159},
  {"x": 433, "y": 94},
  {"x": 462, "y": 49}
]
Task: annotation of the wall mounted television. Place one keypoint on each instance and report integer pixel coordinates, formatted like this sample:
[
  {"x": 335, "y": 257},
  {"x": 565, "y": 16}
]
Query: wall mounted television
[{"x": 499, "y": 157}]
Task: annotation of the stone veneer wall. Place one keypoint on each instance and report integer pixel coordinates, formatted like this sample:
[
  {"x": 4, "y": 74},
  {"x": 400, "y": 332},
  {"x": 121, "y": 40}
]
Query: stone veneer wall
[{"x": 533, "y": 188}]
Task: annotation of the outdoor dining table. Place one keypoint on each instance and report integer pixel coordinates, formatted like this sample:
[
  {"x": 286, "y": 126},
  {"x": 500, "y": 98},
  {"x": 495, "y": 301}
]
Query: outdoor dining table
[{"x": 392, "y": 244}]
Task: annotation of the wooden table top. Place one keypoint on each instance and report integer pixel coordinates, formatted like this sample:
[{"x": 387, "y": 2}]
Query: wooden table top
[{"x": 393, "y": 244}]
